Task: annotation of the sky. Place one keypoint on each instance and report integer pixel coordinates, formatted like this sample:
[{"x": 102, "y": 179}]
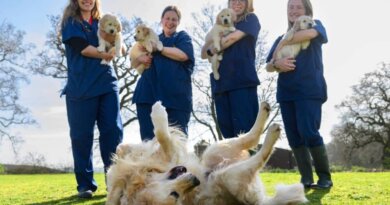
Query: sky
[{"x": 358, "y": 34}]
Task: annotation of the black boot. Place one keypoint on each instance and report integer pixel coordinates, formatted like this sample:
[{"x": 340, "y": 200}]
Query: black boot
[
  {"x": 321, "y": 165},
  {"x": 302, "y": 157}
]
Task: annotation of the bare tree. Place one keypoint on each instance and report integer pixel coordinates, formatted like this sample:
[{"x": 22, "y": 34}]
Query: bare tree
[
  {"x": 204, "y": 111},
  {"x": 12, "y": 55},
  {"x": 365, "y": 114},
  {"x": 51, "y": 61}
]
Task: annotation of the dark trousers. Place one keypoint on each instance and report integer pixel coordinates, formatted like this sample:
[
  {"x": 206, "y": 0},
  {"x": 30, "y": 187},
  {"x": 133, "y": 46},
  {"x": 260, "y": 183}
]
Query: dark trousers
[
  {"x": 236, "y": 111},
  {"x": 82, "y": 116},
  {"x": 177, "y": 118},
  {"x": 302, "y": 120}
]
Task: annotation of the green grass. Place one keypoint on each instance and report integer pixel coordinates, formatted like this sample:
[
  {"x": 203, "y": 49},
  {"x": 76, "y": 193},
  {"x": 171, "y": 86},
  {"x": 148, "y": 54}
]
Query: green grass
[{"x": 349, "y": 188}]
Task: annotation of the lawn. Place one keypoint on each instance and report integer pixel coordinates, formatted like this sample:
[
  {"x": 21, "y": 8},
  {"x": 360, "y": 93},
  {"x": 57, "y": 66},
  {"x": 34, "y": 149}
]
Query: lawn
[{"x": 349, "y": 188}]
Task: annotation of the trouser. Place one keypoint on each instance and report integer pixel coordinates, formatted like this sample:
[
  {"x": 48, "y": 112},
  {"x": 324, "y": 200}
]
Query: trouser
[
  {"x": 82, "y": 116},
  {"x": 177, "y": 118},
  {"x": 302, "y": 120},
  {"x": 236, "y": 111}
]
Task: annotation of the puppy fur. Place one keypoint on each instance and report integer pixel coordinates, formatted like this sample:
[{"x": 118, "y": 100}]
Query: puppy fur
[
  {"x": 146, "y": 42},
  {"x": 292, "y": 50},
  {"x": 111, "y": 26},
  {"x": 224, "y": 25}
]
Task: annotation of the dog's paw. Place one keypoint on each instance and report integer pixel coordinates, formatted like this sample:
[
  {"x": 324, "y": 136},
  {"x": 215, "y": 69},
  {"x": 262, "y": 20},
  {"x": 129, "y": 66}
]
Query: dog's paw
[
  {"x": 273, "y": 133},
  {"x": 104, "y": 62},
  {"x": 159, "y": 115},
  {"x": 265, "y": 107},
  {"x": 101, "y": 49},
  {"x": 216, "y": 75}
]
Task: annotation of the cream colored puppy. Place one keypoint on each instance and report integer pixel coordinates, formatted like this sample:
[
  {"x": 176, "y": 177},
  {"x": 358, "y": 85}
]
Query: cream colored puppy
[
  {"x": 292, "y": 50},
  {"x": 112, "y": 27},
  {"x": 224, "y": 25},
  {"x": 146, "y": 42}
]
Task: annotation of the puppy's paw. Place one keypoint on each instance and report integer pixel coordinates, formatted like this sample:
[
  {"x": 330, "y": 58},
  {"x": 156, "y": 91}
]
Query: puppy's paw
[
  {"x": 104, "y": 62},
  {"x": 265, "y": 107},
  {"x": 159, "y": 115},
  {"x": 273, "y": 134},
  {"x": 101, "y": 48},
  {"x": 216, "y": 75}
]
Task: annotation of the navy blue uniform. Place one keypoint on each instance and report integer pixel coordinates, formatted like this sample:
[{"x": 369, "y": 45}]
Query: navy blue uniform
[
  {"x": 91, "y": 98},
  {"x": 302, "y": 92},
  {"x": 235, "y": 93},
  {"x": 168, "y": 81}
]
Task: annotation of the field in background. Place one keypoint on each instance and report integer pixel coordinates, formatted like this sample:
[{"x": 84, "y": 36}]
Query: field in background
[{"x": 47, "y": 189}]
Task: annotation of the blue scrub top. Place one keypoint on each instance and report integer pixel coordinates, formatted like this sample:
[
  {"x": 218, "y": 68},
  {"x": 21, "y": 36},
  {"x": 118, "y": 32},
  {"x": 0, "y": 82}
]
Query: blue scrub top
[
  {"x": 167, "y": 80},
  {"x": 87, "y": 77},
  {"x": 307, "y": 80},
  {"x": 237, "y": 68}
]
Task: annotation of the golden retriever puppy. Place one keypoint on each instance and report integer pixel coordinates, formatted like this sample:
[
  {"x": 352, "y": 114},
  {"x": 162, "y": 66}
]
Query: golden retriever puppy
[
  {"x": 146, "y": 42},
  {"x": 223, "y": 26},
  {"x": 292, "y": 50},
  {"x": 111, "y": 26}
]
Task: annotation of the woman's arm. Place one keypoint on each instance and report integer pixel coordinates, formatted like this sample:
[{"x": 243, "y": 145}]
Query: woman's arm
[
  {"x": 300, "y": 36},
  {"x": 92, "y": 52},
  {"x": 226, "y": 42},
  {"x": 174, "y": 54}
]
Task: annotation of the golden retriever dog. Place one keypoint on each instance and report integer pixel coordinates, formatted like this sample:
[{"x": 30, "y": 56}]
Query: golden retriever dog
[
  {"x": 162, "y": 172},
  {"x": 224, "y": 25},
  {"x": 146, "y": 42},
  {"x": 112, "y": 28},
  {"x": 292, "y": 50}
]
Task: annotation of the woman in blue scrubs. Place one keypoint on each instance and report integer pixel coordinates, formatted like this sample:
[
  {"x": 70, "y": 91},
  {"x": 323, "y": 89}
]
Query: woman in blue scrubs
[
  {"x": 91, "y": 92},
  {"x": 235, "y": 93},
  {"x": 168, "y": 78},
  {"x": 301, "y": 91}
]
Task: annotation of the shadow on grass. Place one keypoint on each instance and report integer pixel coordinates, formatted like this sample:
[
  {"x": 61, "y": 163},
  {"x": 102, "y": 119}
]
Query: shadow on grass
[
  {"x": 74, "y": 200},
  {"x": 315, "y": 195}
]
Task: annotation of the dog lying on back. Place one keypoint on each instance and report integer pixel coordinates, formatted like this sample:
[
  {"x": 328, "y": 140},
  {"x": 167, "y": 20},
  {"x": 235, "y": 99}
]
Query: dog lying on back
[
  {"x": 112, "y": 28},
  {"x": 224, "y": 25},
  {"x": 146, "y": 42},
  {"x": 162, "y": 172},
  {"x": 292, "y": 50}
]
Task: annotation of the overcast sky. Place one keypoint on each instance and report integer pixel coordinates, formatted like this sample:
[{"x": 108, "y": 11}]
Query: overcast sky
[{"x": 358, "y": 33}]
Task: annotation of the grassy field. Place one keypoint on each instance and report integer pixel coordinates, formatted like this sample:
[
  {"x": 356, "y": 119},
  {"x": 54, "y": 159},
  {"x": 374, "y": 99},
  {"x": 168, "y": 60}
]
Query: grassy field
[{"x": 349, "y": 188}]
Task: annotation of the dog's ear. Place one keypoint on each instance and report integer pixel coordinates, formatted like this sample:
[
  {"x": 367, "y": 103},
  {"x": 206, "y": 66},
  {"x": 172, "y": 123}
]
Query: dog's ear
[
  {"x": 297, "y": 25},
  {"x": 146, "y": 31},
  {"x": 218, "y": 21},
  {"x": 119, "y": 26},
  {"x": 102, "y": 21},
  {"x": 234, "y": 16}
]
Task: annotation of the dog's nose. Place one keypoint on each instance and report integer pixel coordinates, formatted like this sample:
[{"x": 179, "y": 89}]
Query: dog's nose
[
  {"x": 195, "y": 181},
  {"x": 226, "y": 21},
  {"x": 112, "y": 31},
  {"x": 135, "y": 37},
  {"x": 310, "y": 25}
]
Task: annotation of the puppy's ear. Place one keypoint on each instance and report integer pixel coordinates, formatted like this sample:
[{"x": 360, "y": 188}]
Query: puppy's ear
[
  {"x": 297, "y": 25},
  {"x": 146, "y": 31},
  {"x": 219, "y": 21},
  {"x": 119, "y": 26},
  {"x": 234, "y": 16}
]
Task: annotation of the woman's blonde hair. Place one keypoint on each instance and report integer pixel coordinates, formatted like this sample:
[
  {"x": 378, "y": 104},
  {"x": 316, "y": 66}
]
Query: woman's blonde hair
[
  {"x": 308, "y": 11},
  {"x": 249, "y": 9},
  {"x": 73, "y": 10}
]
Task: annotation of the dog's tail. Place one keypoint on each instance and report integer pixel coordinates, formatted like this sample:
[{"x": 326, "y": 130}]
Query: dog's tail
[{"x": 287, "y": 194}]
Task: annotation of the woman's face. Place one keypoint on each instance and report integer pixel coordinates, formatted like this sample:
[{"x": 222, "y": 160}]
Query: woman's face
[
  {"x": 238, "y": 6},
  {"x": 169, "y": 22},
  {"x": 295, "y": 9},
  {"x": 86, "y": 5}
]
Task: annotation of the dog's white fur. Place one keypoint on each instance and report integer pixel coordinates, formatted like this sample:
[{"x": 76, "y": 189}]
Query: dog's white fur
[
  {"x": 111, "y": 26},
  {"x": 224, "y": 25},
  {"x": 292, "y": 50},
  {"x": 145, "y": 37},
  {"x": 227, "y": 175}
]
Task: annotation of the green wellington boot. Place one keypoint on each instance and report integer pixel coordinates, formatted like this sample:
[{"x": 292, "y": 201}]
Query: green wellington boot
[
  {"x": 302, "y": 157},
  {"x": 321, "y": 165}
]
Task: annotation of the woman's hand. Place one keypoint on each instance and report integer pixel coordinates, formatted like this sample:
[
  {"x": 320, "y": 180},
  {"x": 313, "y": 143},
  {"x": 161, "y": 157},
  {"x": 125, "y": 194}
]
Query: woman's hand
[
  {"x": 285, "y": 64},
  {"x": 108, "y": 56},
  {"x": 145, "y": 60}
]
